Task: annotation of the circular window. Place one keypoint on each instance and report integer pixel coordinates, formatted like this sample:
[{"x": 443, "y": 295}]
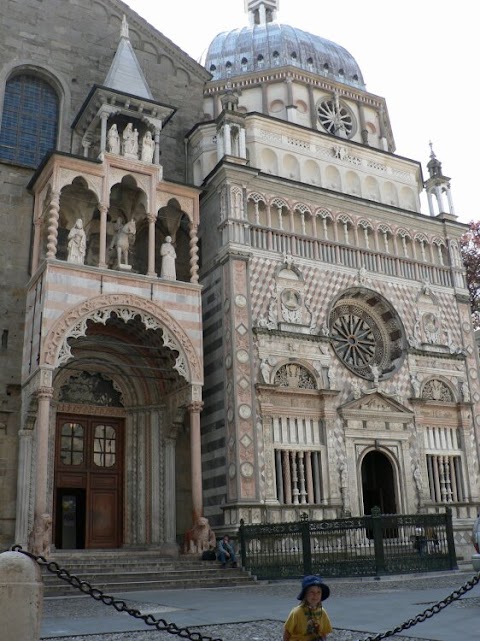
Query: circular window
[
  {"x": 367, "y": 334},
  {"x": 337, "y": 119}
]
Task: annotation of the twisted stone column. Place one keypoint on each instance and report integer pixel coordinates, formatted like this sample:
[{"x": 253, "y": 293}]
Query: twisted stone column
[
  {"x": 52, "y": 231},
  {"x": 193, "y": 253}
]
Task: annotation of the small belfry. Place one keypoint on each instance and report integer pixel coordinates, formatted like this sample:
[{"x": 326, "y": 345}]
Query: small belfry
[
  {"x": 261, "y": 11},
  {"x": 438, "y": 188}
]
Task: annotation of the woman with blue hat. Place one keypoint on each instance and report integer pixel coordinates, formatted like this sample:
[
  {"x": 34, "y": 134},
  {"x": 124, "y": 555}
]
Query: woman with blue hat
[{"x": 309, "y": 620}]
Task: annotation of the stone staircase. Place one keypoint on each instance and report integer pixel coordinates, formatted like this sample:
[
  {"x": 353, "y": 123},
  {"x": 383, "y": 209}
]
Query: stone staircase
[{"x": 114, "y": 571}]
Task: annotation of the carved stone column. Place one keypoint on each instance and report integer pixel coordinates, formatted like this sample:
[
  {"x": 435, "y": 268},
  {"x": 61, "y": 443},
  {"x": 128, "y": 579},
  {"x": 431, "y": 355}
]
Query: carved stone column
[
  {"x": 156, "y": 153},
  {"x": 103, "y": 237},
  {"x": 40, "y": 537},
  {"x": 37, "y": 239},
  {"x": 103, "y": 131},
  {"x": 151, "y": 245},
  {"x": 196, "y": 459},
  {"x": 52, "y": 231},
  {"x": 24, "y": 485},
  {"x": 193, "y": 253}
]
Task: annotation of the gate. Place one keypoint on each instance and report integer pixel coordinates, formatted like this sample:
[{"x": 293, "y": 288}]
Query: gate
[{"x": 377, "y": 544}]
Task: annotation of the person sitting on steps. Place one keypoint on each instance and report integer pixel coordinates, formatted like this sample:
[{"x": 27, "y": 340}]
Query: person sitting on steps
[{"x": 226, "y": 553}]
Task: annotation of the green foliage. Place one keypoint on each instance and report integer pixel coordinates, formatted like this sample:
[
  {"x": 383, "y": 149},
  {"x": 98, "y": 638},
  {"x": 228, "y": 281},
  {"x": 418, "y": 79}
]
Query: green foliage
[{"x": 470, "y": 249}]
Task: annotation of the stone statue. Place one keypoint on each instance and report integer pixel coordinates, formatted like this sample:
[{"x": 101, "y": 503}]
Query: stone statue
[
  {"x": 200, "y": 537},
  {"x": 376, "y": 372},
  {"x": 148, "y": 147},
  {"x": 168, "y": 254},
  {"x": 77, "y": 243},
  {"x": 357, "y": 392},
  {"x": 465, "y": 392},
  {"x": 416, "y": 385},
  {"x": 41, "y": 535},
  {"x": 130, "y": 141},
  {"x": 332, "y": 379},
  {"x": 124, "y": 236},
  {"x": 265, "y": 369},
  {"x": 113, "y": 140}
]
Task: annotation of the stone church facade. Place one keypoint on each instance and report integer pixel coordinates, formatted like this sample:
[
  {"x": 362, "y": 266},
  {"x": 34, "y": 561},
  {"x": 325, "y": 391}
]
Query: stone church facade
[{"x": 220, "y": 296}]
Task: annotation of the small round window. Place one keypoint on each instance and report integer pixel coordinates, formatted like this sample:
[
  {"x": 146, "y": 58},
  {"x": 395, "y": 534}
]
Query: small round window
[{"x": 337, "y": 119}]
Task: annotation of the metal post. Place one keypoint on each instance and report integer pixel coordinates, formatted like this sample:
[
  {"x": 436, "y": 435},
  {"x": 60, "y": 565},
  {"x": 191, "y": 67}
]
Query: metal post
[
  {"x": 452, "y": 557},
  {"x": 243, "y": 547},
  {"x": 378, "y": 541},
  {"x": 306, "y": 544}
]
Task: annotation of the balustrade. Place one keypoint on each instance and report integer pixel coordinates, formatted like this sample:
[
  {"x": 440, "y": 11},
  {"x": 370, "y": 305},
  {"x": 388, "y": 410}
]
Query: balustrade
[{"x": 332, "y": 252}]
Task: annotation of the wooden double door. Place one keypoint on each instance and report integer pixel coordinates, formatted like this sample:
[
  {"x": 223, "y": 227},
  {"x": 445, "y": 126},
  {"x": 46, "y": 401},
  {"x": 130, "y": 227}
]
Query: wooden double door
[{"x": 88, "y": 482}]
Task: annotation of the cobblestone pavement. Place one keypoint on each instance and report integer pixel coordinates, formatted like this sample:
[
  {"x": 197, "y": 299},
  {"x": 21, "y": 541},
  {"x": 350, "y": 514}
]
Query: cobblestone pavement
[{"x": 266, "y": 630}]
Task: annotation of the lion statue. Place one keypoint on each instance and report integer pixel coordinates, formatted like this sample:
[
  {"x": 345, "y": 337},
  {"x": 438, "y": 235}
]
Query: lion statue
[
  {"x": 40, "y": 536},
  {"x": 199, "y": 538}
]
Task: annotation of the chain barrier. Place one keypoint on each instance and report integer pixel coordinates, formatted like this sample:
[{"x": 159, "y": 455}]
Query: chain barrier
[
  {"x": 120, "y": 606},
  {"x": 185, "y": 633},
  {"x": 429, "y": 612}
]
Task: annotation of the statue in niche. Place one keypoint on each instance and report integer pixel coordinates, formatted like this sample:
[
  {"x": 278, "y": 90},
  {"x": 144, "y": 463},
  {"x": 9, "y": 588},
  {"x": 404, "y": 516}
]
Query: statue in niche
[
  {"x": 416, "y": 385},
  {"x": 148, "y": 147},
  {"x": 265, "y": 369},
  {"x": 130, "y": 141},
  {"x": 332, "y": 379},
  {"x": 168, "y": 254},
  {"x": 357, "y": 391},
  {"x": 376, "y": 372},
  {"x": 113, "y": 140},
  {"x": 465, "y": 392},
  {"x": 77, "y": 243},
  {"x": 123, "y": 238}
]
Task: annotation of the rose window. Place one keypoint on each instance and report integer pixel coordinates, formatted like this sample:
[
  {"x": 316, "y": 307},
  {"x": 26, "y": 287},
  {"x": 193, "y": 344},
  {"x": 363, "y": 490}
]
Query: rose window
[
  {"x": 335, "y": 118},
  {"x": 367, "y": 334}
]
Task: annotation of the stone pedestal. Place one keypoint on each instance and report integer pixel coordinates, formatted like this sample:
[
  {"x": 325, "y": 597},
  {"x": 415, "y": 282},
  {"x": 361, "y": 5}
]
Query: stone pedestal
[{"x": 21, "y": 597}]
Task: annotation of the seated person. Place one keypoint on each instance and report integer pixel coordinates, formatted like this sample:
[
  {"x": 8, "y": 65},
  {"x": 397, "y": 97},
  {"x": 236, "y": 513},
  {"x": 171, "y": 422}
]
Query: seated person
[{"x": 226, "y": 553}]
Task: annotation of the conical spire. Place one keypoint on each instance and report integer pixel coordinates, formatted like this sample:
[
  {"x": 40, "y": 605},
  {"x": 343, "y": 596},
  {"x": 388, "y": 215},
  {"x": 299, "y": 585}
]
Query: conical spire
[
  {"x": 125, "y": 74},
  {"x": 434, "y": 166}
]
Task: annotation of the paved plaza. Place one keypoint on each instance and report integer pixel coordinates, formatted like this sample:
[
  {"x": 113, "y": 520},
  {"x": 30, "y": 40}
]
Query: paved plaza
[{"x": 358, "y": 608}]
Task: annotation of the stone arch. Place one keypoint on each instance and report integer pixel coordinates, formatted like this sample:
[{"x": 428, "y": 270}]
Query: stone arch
[
  {"x": 439, "y": 389},
  {"x": 378, "y": 470},
  {"x": 295, "y": 374},
  {"x": 73, "y": 324}
]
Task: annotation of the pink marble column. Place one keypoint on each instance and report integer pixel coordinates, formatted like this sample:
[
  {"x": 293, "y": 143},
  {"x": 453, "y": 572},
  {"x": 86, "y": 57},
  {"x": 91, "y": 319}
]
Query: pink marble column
[
  {"x": 40, "y": 537},
  {"x": 196, "y": 459}
]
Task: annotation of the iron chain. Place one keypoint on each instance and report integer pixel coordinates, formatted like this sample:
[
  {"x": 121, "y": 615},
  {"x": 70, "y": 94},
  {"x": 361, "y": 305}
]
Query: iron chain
[
  {"x": 429, "y": 612},
  {"x": 120, "y": 606},
  {"x": 185, "y": 633}
]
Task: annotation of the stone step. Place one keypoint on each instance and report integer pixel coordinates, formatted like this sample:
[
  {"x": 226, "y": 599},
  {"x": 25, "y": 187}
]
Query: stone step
[{"x": 121, "y": 571}]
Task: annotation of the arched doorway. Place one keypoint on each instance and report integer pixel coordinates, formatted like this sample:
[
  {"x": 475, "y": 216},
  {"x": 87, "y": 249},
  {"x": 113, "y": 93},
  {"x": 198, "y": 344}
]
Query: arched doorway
[
  {"x": 88, "y": 482},
  {"x": 378, "y": 484}
]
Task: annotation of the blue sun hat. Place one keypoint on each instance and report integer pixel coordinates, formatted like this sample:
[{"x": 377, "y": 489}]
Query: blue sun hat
[{"x": 311, "y": 580}]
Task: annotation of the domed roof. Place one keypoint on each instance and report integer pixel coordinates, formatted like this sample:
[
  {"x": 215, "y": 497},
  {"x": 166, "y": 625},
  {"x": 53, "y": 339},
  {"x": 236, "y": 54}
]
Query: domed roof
[{"x": 270, "y": 45}]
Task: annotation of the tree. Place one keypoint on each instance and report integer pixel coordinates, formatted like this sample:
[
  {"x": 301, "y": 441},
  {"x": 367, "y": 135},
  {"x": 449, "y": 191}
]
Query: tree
[{"x": 470, "y": 249}]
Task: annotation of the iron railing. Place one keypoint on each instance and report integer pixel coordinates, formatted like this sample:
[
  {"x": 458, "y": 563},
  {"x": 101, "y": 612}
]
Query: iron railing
[{"x": 378, "y": 544}]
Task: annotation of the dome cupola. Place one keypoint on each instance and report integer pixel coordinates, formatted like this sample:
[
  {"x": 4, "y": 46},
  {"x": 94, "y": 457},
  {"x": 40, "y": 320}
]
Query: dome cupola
[{"x": 266, "y": 44}]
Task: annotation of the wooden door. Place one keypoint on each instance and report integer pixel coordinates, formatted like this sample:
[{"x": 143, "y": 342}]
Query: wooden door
[{"x": 88, "y": 482}]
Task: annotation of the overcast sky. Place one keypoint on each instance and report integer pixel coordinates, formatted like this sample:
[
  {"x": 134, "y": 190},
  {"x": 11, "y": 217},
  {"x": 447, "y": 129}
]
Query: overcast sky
[{"x": 421, "y": 55}]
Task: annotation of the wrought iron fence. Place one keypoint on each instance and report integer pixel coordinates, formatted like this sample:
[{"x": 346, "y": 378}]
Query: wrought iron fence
[{"x": 378, "y": 544}]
